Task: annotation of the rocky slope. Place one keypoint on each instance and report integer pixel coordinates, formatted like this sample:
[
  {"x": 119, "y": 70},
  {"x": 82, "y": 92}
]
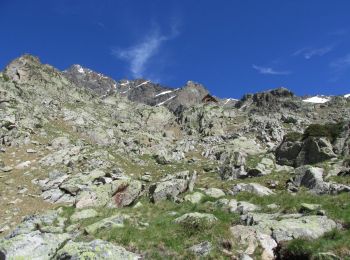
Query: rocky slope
[{"x": 93, "y": 168}]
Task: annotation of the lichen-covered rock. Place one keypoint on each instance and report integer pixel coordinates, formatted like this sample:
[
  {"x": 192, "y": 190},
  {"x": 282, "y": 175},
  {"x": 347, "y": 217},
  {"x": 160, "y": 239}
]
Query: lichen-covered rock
[
  {"x": 244, "y": 207},
  {"x": 33, "y": 245},
  {"x": 194, "y": 198},
  {"x": 201, "y": 249},
  {"x": 305, "y": 227},
  {"x": 96, "y": 249},
  {"x": 170, "y": 186},
  {"x": 214, "y": 193},
  {"x": 127, "y": 192},
  {"x": 255, "y": 188},
  {"x": 196, "y": 219}
]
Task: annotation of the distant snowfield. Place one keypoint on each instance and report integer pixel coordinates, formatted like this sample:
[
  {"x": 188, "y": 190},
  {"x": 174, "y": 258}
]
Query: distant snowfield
[
  {"x": 317, "y": 100},
  {"x": 347, "y": 95}
]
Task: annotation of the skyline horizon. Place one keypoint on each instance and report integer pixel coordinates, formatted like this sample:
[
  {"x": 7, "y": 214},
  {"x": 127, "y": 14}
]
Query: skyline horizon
[
  {"x": 232, "y": 47},
  {"x": 179, "y": 86}
]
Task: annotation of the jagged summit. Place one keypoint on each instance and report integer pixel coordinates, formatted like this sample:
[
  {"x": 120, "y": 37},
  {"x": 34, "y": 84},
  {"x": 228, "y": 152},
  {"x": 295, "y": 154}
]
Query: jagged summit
[
  {"x": 25, "y": 70},
  {"x": 87, "y": 78},
  {"x": 28, "y": 69}
]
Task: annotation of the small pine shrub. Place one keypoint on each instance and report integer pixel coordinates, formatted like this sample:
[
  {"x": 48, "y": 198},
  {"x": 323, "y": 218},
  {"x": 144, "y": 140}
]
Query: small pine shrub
[
  {"x": 293, "y": 136},
  {"x": 330, "y": 131}
]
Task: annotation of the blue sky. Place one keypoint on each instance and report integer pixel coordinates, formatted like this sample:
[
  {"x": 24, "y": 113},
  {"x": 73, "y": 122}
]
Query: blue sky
[{"x": 231, "y": 46}]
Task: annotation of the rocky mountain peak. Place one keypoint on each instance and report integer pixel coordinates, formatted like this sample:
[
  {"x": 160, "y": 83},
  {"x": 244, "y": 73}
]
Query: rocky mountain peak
[
  {"x": 28, "y": 69},
  {"x": 89, "y": 79},
  {"x": 271, "y": 99}
]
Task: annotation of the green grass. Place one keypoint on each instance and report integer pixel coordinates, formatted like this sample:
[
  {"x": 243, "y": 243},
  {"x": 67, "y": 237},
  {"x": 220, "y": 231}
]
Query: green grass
[
  {"x": 164, "y": 239},
  {"x": 336, "y": 241},
  {"x": 253, "y": 160}
]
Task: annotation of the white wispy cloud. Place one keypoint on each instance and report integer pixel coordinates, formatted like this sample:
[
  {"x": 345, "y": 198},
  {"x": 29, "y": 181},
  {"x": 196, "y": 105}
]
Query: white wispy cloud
[
  {"x": 139, "y": 55},
  {"x": 270, "y": 71},
  {"x": 308, "y": 53},
  {"x": 340, "y": 66}
]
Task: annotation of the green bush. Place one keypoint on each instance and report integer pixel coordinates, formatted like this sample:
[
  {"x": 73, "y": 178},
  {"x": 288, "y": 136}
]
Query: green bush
[{"x": 330, "y": 131}]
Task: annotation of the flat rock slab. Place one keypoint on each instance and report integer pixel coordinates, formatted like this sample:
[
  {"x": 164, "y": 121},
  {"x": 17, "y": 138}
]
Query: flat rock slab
[{"x": 96, "y": 249}]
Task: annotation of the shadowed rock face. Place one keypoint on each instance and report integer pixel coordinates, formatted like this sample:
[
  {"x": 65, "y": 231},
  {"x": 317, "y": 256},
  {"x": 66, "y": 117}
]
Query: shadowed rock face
[
  {"x": 86, "y": 78},
  {"x": 191, "y": 94},
  {"x": 271, "y": 100},
  {"x": 144, "y": 91},
  {"x": 138, "y": 90}
]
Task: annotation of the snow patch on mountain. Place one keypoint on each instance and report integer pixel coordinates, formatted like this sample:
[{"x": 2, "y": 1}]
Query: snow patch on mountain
[
  {"x": 163, "y": 93},
  {"x": 229, "y": 100},
  {"x": 317, "y": 99},
  {"x": 162, "y": 103}
]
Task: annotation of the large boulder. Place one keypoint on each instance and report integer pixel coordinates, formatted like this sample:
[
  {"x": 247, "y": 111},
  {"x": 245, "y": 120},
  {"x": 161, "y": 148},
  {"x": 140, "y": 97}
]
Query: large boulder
[
  {"x": 269, "y": 230},
  {"x": 118, "y": 193},
  {"x": 171, "y": 186},
  {"x": 300, "y": 152}
]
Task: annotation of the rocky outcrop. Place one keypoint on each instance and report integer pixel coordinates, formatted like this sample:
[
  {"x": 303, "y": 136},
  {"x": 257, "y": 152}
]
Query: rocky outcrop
[
  {"x": 312, "y": 178},
  {"x": 269, "y": 101},
  {"x": 309, "y": 151},
  {"x": 269, "y": 230},
  {"x": 86, "y": 78}
]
